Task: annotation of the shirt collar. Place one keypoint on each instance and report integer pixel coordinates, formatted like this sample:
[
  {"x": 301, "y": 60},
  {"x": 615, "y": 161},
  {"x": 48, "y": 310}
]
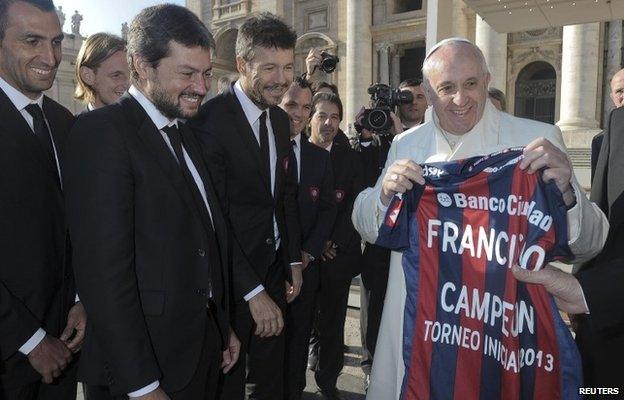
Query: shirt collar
[
  {"x": 251, "y": 110},
  {"x": 155, "y": 115},
  {"x": 297, "y": 140},
  {"x": 19, "y": 99}
]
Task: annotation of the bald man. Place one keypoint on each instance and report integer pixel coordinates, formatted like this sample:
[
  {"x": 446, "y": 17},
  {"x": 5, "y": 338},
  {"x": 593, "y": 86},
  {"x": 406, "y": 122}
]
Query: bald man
[{"x": 617, "y": 96}]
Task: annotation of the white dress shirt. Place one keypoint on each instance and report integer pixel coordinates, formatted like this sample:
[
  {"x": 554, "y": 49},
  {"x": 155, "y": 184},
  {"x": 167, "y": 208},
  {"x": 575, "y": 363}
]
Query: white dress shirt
[
  {"x": 20, "y": 101},
  {"x": 161, "y": 122}
]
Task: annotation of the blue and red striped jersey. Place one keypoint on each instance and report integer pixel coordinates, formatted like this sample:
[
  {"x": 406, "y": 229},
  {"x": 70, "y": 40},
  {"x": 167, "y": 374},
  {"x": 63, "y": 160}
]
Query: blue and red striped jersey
[{"x": 471, "y": 330}]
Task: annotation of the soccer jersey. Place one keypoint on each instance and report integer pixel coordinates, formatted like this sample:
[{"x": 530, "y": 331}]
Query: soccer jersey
[{"x": 471, "y": 330}]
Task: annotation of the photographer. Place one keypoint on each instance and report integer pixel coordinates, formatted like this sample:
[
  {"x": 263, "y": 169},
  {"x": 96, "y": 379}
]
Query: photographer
[{"x": 374, "y": 146}]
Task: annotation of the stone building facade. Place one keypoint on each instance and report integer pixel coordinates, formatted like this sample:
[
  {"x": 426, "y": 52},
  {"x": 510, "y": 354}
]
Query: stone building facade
[{"x": 63, "y": 88}]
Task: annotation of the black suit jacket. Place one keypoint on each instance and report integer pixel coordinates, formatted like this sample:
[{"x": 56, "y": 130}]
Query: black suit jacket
[
  {"x": 596, "y": 144},
  {"x": 243, "y": 187},
  {"x": 601, "y": 333},
  {"x": 348, "y": 183},
  {"x": 36, "y": 281},
  {"x": 317, "y": 208},
  {"x": 143, "y": 257}
]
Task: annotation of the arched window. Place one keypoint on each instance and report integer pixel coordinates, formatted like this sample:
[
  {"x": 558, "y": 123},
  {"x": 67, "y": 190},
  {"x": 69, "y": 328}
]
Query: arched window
[{"x": 536, "y": 88}]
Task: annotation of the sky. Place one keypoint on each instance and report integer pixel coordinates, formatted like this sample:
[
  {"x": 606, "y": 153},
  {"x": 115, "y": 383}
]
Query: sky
[{"x": 104, "y": 15}]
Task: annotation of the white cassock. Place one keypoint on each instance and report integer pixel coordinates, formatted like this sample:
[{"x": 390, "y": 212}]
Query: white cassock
[{"x": 587, "y": 225}]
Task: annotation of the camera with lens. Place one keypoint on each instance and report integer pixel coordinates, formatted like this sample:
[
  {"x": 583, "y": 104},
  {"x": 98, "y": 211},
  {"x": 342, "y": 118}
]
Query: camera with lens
[
  {"x": 328, "y": 62},
  {"x": 384, "y": 99}
]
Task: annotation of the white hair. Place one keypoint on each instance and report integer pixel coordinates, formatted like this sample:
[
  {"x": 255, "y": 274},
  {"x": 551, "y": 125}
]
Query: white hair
[{"x": 430, "y": 65}]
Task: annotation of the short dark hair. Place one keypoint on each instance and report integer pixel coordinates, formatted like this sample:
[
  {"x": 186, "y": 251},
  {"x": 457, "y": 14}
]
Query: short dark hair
[
  {"x": 153, "y": 28},
  {"x": 329, "y": 98},
  {"x": 410, "y": 82},
  {"x": 265, "y": 30},
  {"x": 322, "y": 84},
  {"x": 96, "y": 49},
  {"x": 303, "y": 83},
  {"x": 43, "y": 5}
]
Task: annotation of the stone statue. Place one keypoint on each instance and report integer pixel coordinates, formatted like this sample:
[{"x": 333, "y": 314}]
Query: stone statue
[
  {"x": 124, "y": 31},
  {"x": 75, "y": 23},
  {"x": 61, "y": 16}
]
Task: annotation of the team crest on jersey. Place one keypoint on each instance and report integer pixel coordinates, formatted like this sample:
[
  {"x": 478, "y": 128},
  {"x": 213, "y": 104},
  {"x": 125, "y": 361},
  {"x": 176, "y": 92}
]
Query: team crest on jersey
[
  {"x": 285, "y": 164},
  {"x": 314, "y": 193},
  {"x": 340, "y": 195}
]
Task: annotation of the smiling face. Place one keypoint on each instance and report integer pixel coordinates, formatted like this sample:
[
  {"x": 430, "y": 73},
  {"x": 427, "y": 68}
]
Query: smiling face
[
  {"x": 324, "y": 123},
  {"x": 297, "y": 102},
  {"x": 30, "y": 52},
  {"x": 110, "y": 80},
  {"x": 179, "y": 83},
  {"x": 267, "y": 76},
  {"x": 457, "y": 87}
]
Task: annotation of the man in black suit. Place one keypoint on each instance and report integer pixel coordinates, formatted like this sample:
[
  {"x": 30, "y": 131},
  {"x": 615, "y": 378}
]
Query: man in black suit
[
  {"x": 617, "y": 96},
  {"x": 40, "y": 323},
  {"x": 151, "y": 246},
  {"x": 246, "y": 140},
  {"x": 342, "y": 253},
  {"x": 595, "y": 292},
  {"x": 317, "y": 212}
]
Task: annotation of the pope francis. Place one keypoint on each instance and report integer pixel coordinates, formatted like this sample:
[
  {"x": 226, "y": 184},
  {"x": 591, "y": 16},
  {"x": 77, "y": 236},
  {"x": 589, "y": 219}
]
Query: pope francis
[{"x": 463, "y": 123}]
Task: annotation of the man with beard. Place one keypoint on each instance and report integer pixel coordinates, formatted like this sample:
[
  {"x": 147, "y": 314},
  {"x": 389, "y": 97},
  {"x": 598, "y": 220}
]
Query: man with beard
[
  {"x": 40, "y": 323},
  {"x": 317, "y": 212},
  {"x": 342, "y": 252},
  {"x": 246, "y": 140},
  {"x": 151, "y": 245},
  {"x": 101, "y": 70}
]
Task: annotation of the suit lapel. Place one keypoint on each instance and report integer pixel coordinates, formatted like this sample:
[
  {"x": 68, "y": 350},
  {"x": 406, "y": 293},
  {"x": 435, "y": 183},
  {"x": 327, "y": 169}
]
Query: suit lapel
[
  {"x": 18, "y": 131},
  {"x": 282, "y": 150},
  {"x": 151, "y": 136},
  {"x": 246, "y": 134}
]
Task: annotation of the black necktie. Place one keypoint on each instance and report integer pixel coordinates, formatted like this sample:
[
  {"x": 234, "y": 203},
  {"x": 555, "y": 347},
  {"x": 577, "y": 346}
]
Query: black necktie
[
  {"x": 41, "y": 129},
  {"x": 295, "y": 165},
  {"x": 264, "y": 142},
  {"x": 173, "y": 133}
]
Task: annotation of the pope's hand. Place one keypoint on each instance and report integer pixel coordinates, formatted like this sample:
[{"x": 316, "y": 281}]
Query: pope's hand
[{"x": 400, "y": 178}]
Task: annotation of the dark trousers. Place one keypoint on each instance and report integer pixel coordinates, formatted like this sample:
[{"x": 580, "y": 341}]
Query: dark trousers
[
  {"x": 299, "y": 317},
  {"x": 336, "y": 276},
  {"x": 63, "y": 388},
  {"x": 261, "y": 361},
  {"x": 203, "y": 384},
  {"x": 375, "y": 267}
]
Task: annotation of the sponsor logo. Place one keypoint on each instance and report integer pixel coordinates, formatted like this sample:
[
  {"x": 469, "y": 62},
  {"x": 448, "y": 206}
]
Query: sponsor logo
[{"x": 444, "y": 199}]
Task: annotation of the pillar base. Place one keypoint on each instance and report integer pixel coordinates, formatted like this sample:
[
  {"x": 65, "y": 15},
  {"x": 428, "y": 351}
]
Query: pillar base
[{"x": 576, "y": 137}]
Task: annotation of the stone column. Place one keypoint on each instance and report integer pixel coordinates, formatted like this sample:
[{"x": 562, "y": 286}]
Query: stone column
[
  {"x": 579, "y": 83},
  {"x": 359, "y": 55},
  {"x": 396, "y": 67},
  {"x": 494, "y": 48},
  {"x": 384, "y": 62},
  {"x": 613, "y": 63},
  {"x": 439, "y": 21}
]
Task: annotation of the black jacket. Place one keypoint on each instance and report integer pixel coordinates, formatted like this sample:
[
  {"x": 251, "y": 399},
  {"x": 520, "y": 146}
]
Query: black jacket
[
  {"x": 36, "y": 281},
  {"x": 317, "y": 208},
  {"x": 244, "y": 190},
  {"x": 143, "y": 255}
]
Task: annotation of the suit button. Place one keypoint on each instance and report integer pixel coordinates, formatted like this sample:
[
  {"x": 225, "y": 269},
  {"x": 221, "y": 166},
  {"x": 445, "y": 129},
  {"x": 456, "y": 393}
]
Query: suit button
[
  {"x": 201, "y": 252},
  {"x": 269, "y": 241}
]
